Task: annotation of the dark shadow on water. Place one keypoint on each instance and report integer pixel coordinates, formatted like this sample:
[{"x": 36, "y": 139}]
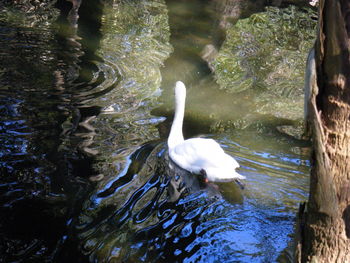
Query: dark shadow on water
[{"x": 45, "y": 132}]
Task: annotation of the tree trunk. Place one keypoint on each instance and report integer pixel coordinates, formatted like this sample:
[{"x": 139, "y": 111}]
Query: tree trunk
[{"x": 325, "y": 227}]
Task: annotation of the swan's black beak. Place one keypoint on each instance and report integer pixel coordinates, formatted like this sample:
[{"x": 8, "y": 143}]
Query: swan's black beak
[{"x": 240, "y": 183}]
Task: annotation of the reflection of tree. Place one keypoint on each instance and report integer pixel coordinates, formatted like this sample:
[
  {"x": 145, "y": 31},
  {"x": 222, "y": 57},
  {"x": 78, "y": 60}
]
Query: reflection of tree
[
  {"x": 45, "y": 76},
  {"x": 78, "y": 34}
]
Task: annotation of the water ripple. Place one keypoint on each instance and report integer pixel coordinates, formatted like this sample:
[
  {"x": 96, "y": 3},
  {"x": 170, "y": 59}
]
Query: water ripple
[{"x": 169, "y": 215}]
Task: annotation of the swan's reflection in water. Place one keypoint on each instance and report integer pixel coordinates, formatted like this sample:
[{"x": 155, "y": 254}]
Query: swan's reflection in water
[{"x": 153, "y": 212}]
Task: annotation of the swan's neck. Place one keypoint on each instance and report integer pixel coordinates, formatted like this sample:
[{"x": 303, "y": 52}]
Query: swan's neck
[{"x": 176, "y": 136}]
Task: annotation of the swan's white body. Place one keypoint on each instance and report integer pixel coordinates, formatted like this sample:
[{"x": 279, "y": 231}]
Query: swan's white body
[{"x": 198, "y": 154}]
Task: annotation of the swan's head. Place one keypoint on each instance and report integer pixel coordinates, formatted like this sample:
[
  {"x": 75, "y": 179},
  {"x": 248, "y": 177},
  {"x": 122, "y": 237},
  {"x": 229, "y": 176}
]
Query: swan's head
[{"x": 180, "y": 90}]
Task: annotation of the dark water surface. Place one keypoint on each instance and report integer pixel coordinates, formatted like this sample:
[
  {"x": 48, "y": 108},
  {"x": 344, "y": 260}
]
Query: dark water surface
[{"x": 85, "y": 108}]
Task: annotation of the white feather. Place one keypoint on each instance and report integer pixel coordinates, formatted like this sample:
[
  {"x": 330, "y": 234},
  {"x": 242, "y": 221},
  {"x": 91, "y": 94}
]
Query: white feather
[{"x": 196, "y": 154}]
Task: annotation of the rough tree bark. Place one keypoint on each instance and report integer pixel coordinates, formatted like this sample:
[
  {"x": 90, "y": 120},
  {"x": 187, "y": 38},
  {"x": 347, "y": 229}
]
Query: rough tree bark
[{"x": 325, "y": 226}]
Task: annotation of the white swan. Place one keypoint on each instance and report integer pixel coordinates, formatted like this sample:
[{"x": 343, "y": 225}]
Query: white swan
[{"x": 199, "y": 155}]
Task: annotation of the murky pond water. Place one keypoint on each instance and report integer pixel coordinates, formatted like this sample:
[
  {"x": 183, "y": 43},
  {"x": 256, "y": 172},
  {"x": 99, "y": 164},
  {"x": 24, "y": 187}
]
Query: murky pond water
[{"x": 86, "y": 104}]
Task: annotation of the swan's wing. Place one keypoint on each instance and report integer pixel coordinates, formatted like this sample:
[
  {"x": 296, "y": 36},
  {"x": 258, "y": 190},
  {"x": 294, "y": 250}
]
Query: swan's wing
[
  {"x": 198, "y": 153},
  {"x": 198, "y": 147}
]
